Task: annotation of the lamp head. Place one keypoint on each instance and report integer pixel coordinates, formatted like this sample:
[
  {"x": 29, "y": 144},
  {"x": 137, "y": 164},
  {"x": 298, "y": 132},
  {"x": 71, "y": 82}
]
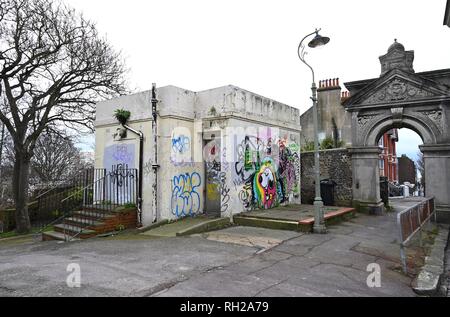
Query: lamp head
[{"x": 318, "y": 40}]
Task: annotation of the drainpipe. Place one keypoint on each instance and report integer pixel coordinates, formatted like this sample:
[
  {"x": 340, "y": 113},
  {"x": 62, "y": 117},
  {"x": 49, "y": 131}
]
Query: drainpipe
[
  {"x": 141, "y": 165},
  {"x": 155, "y": 165},
  {"x": 2, "y": 138}
]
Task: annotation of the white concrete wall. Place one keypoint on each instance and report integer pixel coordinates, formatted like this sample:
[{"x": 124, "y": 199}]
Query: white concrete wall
[
  {"x": 274, "y": 156},
  {"x": 109, "y": 152},
  {"x": 183, "y": 118},
  {"x": 181, "y": 178},
  {"x": 237, "y": 101}
]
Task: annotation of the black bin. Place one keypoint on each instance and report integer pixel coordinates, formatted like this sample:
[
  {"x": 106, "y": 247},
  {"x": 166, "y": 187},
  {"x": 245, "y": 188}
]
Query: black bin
[
  {"x": 384, "y": 190},
  {"x": 327, "y": 191}
]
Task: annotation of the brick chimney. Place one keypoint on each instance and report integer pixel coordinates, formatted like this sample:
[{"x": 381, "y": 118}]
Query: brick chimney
[
  {"x": 345, "y": 95},
  {"x": 329, "y": 84}
]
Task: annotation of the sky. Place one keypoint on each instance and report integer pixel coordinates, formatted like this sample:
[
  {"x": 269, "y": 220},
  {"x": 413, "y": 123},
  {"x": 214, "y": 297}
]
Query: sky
[{"x": 203, "y": 44}]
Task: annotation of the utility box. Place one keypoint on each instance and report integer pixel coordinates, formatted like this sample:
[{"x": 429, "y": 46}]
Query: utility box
[{"x": 327, "y": 191}]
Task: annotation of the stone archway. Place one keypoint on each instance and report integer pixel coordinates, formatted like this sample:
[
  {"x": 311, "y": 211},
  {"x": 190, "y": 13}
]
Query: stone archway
[{"x": 400, "y": 98}]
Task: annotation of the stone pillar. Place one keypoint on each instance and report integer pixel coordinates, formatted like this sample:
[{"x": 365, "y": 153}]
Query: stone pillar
[
  {"x": 437, "y": 177},
  {"x": 366, "y": 179}
]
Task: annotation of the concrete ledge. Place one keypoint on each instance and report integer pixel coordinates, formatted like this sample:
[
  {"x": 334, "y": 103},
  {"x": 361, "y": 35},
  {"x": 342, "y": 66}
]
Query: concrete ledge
[
  {"x": 369, "y": 208},
  {"x": 305, "y": 225},
  {"x": 154, "y": 225},
  {"x": 333, "y": 216},
  {"x": 267, "y": 223},
  {"x": 210, "y": 225},
  {"x": 428, "y": 282}
]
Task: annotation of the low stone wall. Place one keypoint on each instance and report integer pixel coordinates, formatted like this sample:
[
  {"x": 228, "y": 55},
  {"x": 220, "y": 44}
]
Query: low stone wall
[{"x": 335, "y": 164}]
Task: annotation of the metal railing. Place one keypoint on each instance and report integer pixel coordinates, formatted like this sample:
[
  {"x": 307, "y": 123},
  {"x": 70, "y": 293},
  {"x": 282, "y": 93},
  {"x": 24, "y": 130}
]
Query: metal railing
[
  {"x": 117, "y": 188},
  {"x": 412, "y": 221},
  {"x": 48, "y": 209}
]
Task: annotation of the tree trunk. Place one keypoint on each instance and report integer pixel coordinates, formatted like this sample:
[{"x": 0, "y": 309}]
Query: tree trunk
[{"x": 20, "y": 188}]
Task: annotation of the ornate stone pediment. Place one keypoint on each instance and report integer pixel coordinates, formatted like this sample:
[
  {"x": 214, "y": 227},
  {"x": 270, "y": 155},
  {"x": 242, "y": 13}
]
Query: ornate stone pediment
[{"x": 398, "y": 89}]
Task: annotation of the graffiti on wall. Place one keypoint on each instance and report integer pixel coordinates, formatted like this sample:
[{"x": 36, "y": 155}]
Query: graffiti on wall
[
  {"x": 224, "y": 189},
  {"x": 181, "y": 144},
  {"x": 267, "y": 171},
  {"x": 185, "y": 196},
  {"x": 181, "y": 149},
  {"x": 265, "y": 185},
  {"x": 119, "y": 154},
  {"x": 217, "y": 189}
]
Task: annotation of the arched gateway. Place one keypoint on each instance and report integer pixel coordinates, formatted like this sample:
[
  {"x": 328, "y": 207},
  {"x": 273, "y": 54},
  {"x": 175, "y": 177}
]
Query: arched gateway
[{"x": 401, "y": 98}]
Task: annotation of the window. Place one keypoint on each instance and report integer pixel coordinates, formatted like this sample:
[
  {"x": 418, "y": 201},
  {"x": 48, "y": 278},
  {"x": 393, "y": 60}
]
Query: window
[{"x": 381, "y": 167}]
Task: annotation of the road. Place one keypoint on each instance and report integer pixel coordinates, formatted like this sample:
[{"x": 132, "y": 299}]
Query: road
[{"x": 238, "y": 261}]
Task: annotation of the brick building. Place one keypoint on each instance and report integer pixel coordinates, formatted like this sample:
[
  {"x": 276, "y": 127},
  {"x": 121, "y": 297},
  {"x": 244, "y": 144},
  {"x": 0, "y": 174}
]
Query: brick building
[
  {"x": 406, "y": 170},
  {"x": 388, "y": 158}
]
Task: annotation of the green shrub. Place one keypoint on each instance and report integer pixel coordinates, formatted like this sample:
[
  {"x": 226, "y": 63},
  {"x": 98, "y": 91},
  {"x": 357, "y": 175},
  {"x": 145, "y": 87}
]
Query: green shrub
[
  {"x": 122, "y": 115},
  {"x": 309, "y": 146},
  {"x": 327, "y": 144}
]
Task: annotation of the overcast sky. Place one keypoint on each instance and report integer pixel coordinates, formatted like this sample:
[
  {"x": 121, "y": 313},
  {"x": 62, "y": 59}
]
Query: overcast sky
[{"x": 202, "y": 44}]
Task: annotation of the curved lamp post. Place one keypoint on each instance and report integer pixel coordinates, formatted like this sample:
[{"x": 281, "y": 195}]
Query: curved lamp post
[{"x": 319, "y": 221}]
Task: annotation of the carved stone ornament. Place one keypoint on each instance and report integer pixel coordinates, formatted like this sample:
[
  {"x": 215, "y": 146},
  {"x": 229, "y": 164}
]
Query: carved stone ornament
[
  {"x": 436, "y": 116},
  {"x": 397, "y": 90},
  {"x": 364, "y": 119},
  {"x": 397, "y": 114}
]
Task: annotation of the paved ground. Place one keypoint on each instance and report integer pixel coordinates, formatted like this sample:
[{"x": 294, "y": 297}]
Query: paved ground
[
  {"x": 292, "y": 212},
  {"x": 237, "y": 261},
  {"x": 447, "y": 267}
]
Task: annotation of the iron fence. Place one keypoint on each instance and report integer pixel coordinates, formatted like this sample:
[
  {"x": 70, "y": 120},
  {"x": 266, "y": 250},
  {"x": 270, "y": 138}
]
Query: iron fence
[
  {"x": 86, "y": 206},
  {"x": 412, "y": 221},
  {"x": 48, "y": 208}
]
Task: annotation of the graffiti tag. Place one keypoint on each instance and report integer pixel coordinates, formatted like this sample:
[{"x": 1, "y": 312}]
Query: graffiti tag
[{"x": 185, "y": 198}]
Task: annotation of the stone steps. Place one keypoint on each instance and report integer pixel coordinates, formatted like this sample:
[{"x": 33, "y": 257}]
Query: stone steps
[
  {"x": 85, "y": 224},
  {"x": 82, "y": 222},
  {"x": 267, "y": 223},
  {"x": 54, "y": 235},
  {"x": 305, "y": 225},
  {"x": 71, "y": 230}
]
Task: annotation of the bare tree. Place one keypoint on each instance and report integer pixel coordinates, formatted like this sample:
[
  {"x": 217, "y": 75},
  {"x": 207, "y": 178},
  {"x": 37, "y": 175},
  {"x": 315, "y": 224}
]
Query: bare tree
[
  {"x": 54, "y": 67},
  {"x": 421, "y": 167},
  {"x": 56, "y": 159}
]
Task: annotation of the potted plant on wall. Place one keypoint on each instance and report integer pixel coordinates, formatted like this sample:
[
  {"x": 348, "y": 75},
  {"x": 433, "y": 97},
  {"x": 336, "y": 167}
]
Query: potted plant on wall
[{"x": 122, "y": 116}]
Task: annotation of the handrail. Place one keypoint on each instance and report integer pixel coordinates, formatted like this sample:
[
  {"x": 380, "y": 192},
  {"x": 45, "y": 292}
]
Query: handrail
[
  {"x": 67, "y": 198},
  {"x": 83, "y": 189},
  {"x": 95, "y": 195},
  {"x": 411, "y": 221},
  {"x": 45, "y": 193},
  {"x": 55, "y": 201}
]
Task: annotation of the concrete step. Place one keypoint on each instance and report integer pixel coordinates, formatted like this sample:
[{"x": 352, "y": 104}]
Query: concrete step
[
  {"x": 77, "y": 231},
  {"x": 101, "y": 208},
  {"x": 82, "y": 222},
  {"x": 270, "y": 223},
  {"x": 53, "y": 235},
  {"x": 92, "y": 214}
]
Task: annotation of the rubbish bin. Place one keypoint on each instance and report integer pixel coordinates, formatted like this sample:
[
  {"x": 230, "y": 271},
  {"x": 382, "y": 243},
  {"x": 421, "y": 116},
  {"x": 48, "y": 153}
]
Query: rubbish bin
[
  {"x": 384, "y": 190},
  {"x": 327, "y": 191}
]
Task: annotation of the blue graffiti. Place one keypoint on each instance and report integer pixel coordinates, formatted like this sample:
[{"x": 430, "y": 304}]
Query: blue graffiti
[
  {"x": 124, "y": 154},
  {"x": 185, "y": 198},
  {"x": 181, "y": 144}
]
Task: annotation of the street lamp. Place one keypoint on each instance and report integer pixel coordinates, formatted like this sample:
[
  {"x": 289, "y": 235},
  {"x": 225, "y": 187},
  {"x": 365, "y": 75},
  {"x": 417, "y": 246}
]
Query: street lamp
[{"x": 318, "y": 40}]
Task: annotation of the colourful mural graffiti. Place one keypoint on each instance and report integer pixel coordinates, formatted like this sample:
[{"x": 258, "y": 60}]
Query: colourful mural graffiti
[
  {"x": 265, "y": 185},
  {"x": 267, "y": 172},
  {"x": 185, "y": 197}
]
